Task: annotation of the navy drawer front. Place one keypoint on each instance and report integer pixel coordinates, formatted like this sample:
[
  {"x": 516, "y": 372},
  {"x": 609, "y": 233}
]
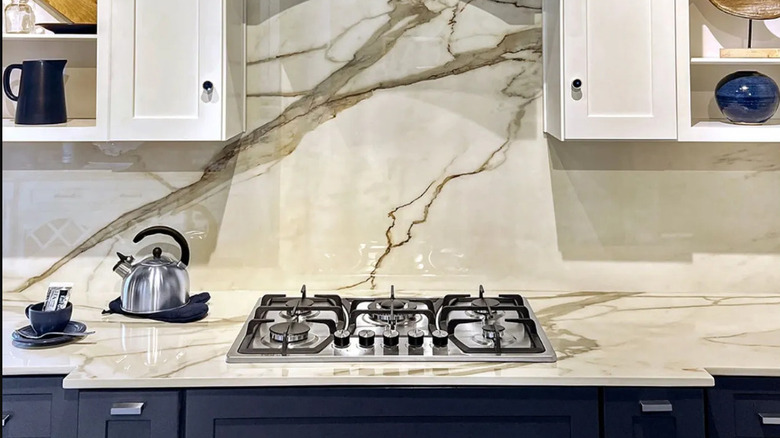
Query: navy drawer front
[
  {"x": 751, "y": 411},
  {"x": 29, "y": 416},
  {"x": 391, "y": 412},
  {"x": 37, "y": 406},
  {"x": 129, "y": 414},
  {"x": 739, "y": 407},
  {"x": 653, "y": 413}
]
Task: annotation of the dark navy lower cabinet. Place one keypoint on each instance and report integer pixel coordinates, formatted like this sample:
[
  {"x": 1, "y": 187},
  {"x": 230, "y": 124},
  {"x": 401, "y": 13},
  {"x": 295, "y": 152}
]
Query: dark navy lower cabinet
[
  {"x": 38, "y": 407},
  {"x": 129, "y": 414},
  {"x": 653, "y": 413},
  {"x": 744, "y": 407},
  {"x": 390, "y": 412},
  {"x": 737, "y": 407}
]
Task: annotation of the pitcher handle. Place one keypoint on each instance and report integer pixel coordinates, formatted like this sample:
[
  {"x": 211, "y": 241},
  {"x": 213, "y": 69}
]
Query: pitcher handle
[{"x": 7, "y": 81}]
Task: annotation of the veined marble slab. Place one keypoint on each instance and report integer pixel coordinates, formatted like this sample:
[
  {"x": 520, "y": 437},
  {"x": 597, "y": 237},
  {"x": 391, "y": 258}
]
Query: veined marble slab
[
  {"x": 399, "y": 142},
  {"x": 601, "y": 338}
]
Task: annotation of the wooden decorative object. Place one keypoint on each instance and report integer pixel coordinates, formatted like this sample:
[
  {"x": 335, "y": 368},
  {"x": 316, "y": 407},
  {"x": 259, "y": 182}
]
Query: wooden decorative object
[
  {"x": 750, "y": 9},
  {"x": 77, "y": 11},
  {"x": 750, "y": 53}
]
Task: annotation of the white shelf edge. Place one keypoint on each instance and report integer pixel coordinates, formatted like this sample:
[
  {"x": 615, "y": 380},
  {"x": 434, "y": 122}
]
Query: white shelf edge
[
  {"x": 715, "y": 130},
  {"x": 48, "y": 37},
  {"x": 735, "y": 61},
  {"x": 72, "y": 130}
]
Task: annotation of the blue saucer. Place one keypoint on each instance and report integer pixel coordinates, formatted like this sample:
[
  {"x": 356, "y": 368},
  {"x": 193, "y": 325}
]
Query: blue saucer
[{"x": 19, "y": 341}]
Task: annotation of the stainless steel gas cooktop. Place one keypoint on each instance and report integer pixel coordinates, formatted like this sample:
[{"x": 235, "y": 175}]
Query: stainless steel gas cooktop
[{"x": 331, "y": 328}]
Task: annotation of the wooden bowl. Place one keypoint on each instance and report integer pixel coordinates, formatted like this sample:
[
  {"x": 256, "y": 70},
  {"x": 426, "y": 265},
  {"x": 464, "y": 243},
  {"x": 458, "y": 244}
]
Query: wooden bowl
[{"x": 751, "y": 9}]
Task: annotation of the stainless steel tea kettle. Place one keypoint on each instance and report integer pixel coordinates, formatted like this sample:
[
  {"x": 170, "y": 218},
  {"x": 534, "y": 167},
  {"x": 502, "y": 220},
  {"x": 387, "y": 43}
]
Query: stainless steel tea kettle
[{"x": 156, "y": 283}]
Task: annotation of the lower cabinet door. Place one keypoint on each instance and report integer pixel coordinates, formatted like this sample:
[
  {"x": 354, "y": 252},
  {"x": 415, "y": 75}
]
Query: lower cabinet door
[
  {"x": 38, "y": 407},
  {"x": 653, "y": 413},
  {"x": 128, "y": 414},
  {"x": 382, "y": 412},
  {"x": 744, "y": 407}
]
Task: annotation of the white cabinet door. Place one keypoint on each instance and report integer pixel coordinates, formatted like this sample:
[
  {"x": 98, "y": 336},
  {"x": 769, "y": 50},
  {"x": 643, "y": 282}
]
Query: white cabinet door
[
  {"x": 619, "y": 78},
  {"x": 162, "y": 53}
]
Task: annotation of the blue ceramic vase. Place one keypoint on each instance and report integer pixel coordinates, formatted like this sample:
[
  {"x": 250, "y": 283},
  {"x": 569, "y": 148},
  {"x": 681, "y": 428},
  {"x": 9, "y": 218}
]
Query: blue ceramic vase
[{"x": 747, "y": 97}]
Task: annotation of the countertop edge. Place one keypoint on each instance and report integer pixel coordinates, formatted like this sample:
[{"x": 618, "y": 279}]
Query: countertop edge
[
  {"x": 72, "y": 382},
  {"x": 38, "y": 371},
  {"x": 743, "y": 372}
]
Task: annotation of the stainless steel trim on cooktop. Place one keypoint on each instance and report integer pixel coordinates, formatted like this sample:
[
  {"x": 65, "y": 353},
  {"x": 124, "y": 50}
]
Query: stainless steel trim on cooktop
[{"x": 354, "y": 353}]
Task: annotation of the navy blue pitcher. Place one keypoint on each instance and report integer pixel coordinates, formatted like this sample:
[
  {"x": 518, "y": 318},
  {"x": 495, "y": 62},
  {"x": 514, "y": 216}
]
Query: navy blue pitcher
[{"x": 41, "y": 98}]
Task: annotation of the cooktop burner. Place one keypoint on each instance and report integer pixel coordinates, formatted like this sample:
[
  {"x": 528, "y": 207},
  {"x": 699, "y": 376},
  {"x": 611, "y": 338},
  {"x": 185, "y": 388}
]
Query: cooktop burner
[{"x": 331, "y": 328}]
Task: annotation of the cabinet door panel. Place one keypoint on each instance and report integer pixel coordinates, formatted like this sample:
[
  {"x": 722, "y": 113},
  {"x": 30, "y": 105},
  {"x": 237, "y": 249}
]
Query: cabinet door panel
[
  {"x": 165, "y": 80},
  {"x": 161, "y": 54},
  {"x": 393, "y": 427},
  {"x": 29, "y": 416},
  {"x": 128, "y": 429},
  {"x": 393, "y": 412},
  {"x": 742, "y": 407},
  {"x": 38, "y": 407},
  {"x": 623, "y": 52},
  {"x": 653, "y": 413}
]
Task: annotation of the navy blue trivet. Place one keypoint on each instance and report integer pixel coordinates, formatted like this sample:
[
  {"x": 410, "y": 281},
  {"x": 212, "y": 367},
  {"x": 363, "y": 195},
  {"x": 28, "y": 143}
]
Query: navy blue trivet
[{"x": 195, "y": 310}]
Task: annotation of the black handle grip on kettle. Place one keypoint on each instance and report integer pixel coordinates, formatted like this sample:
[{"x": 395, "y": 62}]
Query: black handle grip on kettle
[
  {"x": 7, "y": 81},
  {"x": 168, "y": 231}
]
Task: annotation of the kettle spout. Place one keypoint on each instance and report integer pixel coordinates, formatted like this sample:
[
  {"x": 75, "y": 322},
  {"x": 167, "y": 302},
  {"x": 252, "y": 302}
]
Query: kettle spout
[{"x": 124, "y": 265}]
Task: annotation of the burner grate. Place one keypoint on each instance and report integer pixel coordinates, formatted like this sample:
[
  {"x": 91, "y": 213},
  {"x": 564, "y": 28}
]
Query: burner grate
[
  {"x": 456, "y": 327},
  {"x": 254, "y": 330}
]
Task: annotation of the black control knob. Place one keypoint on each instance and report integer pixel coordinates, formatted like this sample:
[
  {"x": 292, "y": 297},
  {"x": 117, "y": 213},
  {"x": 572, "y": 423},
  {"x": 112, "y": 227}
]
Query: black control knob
[
  {"x": 366, "y": 338},
  {"x": 415, "y": 338},
  {"x": 390, "y": 338},
  {"x": 440, "y": 338},
  {"x": 208, "y": 86},
  {"x": 341, "y": 338},
  {"x": 576, "y": 84}
]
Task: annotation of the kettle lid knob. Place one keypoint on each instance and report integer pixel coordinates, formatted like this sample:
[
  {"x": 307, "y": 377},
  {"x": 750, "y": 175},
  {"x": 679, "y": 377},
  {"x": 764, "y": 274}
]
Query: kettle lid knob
[{"x": 157, "y": 252}]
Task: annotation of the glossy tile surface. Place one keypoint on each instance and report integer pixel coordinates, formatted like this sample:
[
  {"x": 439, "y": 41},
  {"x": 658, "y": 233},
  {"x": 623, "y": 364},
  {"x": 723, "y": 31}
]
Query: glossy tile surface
[{"x": 399, "y": 142}]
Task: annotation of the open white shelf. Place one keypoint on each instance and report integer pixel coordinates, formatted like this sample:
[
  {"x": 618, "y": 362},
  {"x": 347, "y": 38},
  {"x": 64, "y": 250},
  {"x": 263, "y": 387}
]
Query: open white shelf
[
  {"x": 702, "y": 31},
  {"x": 724, "y": 131},
  {"x": 735, "y": 61},
  {"x": 85, "y": 73},
  {"x": 72, "y": 130},
  {"x": 10, "y": 37}
]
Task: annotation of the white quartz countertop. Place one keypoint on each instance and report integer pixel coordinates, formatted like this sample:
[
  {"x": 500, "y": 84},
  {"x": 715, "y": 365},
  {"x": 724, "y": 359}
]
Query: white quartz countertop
[{"x": 601, "y": 338}]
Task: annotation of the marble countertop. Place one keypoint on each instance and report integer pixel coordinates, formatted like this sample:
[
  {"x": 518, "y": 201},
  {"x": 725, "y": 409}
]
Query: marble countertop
[{"x": 601, "y": 338}]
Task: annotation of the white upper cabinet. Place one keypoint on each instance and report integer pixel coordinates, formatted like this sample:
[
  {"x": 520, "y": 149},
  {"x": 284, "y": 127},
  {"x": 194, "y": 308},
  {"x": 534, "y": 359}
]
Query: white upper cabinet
[
  {"x": 610, "y": 69},
  {"x": 177, "y": 70}
]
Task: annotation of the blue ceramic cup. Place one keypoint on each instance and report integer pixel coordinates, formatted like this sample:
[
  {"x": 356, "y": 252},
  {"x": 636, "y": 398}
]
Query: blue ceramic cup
[
  {"x": 747, "y": 97},
  {"x": 45, "y": 322}
]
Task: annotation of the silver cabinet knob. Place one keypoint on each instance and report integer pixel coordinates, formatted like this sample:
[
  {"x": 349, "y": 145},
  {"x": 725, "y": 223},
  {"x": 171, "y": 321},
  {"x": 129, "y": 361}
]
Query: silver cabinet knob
[{"x": 6, "y": 417}]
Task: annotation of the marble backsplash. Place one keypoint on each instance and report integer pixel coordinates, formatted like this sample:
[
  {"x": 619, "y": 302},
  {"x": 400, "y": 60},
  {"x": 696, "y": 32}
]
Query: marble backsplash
[{"x": 399, "y": 142}]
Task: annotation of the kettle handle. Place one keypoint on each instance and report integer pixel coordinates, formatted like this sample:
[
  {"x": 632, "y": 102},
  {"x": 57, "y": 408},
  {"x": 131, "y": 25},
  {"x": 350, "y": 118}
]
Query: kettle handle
[
  {"x": 168, "y": 231},
  {"x": 7, "y": 81}
]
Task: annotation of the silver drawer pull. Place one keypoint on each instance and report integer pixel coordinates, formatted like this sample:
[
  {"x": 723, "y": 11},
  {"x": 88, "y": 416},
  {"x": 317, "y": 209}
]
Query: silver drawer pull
[
  {"x": 6, "y": 417},
  {"x": 127, "y": 408},
  {"x": 766, "y": 419},
  {"x": 655, "y": 405}
]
